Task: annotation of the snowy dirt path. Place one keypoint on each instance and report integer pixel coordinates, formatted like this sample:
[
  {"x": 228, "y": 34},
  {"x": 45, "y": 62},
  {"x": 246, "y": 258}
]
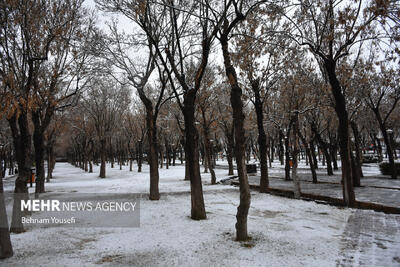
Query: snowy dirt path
[{"x": 371, "y": 239}]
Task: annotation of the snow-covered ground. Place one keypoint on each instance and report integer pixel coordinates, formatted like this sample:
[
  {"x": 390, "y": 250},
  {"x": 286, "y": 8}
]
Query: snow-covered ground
[{"x": 284, "y": 232}]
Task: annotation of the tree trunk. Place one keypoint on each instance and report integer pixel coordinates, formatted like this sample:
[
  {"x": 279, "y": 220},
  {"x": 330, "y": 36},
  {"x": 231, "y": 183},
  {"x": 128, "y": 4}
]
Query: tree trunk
[
  {"x": 198, "y": 211},
  {"x": 229, "y": 149},
  {"x": 208, "y": 156},
  {"x": 140, "y": 156},
  {"x": 343, "y": 132},
  {"x": 6, "y": 249},
  {"x": 379, "y": 148},
  {"x": 355, "y": 173},
  {"x": 50, "y": 162},
  {"x": 103, "y": 158},
  {"x": 357, "y": 143},
  {"x": 238, "y": 121},
  {"x": 262, "y": 138},
  {"x": 174, "y": 157},
  {"x": 272, "y": 151},
  {"x": 313, "y": 155},
  {"x": 389, "y": 149},
  {"x": 22, "y": 145},
  {"x": 325, "y": 150},
  {"x": 153, "y": 153},
  {"x": 161, "y": 159},
  {"x": 287, "y": 157},
  {"x": 168, "y": 155},
  {"x": 333, "y": 151},
  {"x": 1, "y": 166},
  {"x": 281, "y": 149},
  {"x": 38, "y": 142},
  {"x": 207, "y": 149},
  {"x": 296, "y": 180}
]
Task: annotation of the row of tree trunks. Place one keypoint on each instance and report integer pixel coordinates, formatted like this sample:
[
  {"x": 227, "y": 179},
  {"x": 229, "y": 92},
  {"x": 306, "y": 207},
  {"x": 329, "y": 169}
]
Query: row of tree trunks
[
  {"x": 325, "y": 150},
  {"x": 310, "y": 156}
]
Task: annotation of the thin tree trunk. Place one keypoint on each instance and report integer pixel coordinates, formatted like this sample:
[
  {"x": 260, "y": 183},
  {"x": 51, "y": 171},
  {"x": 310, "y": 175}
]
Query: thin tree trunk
[
  {"x": 38, "y": 141},
  {"x": 229, "y": 149},
  {"x": 332, "y": 151},
  {"x": 287, "y": 157},
  {"x": 296, "y": 180},
  {"x": 207, "y": 149},
  {"x": 262, "y": 138},
  {"x": 313, "y": 155},
  {"x": 357, "y": 143},
  {"x": 153, "y": 153},
  {"x": 140, "y": 155},
  {"x": 103, "y": 158},
  {"x": 343, "y": 132},
  {"x": 238, "y": 121},
  {"x": 281, "y": 149}
]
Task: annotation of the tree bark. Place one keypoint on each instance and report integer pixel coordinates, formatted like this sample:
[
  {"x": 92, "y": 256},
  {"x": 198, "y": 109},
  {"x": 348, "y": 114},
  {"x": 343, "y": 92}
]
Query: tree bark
[
  {"x": 198, "y": 211},
  {"x": 22, "y": 145},
  {"x": 357, "y": 143},
  {"x": 281, "y": 149},
  {"x": 262, "y": 138},
  {"x": 333, "y": 151},
  {"x": 38, "y": 142},
  {"x": 102, "y": 158},
  {"x": 287, "y": 157},
  {"x": 140, "y": 156},
  {"x": 229, "y": 148},
  {"x": 296, "y": 180},
  {"x": 207, "y": 147},
  {"x": 343, "y": 132},
  {"x": 208, "y": 155},
  {"x": 238, "y": 121},
  {"x": 313, "y": 155},
  {"x": 153, "y": 153}
]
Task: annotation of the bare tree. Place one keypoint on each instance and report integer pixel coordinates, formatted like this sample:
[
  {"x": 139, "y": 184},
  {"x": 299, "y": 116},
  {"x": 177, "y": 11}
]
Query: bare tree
[{"x": 105, "y": 104}]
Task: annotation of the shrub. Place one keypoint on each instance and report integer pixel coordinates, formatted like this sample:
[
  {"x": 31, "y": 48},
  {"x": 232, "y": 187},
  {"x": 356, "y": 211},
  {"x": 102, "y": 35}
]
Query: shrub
[{"x": 387, "y": 170}]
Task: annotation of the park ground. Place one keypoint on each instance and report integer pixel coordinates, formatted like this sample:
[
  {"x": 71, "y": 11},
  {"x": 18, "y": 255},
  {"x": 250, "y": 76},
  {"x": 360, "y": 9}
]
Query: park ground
[{"x": 285, "y": 232}]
